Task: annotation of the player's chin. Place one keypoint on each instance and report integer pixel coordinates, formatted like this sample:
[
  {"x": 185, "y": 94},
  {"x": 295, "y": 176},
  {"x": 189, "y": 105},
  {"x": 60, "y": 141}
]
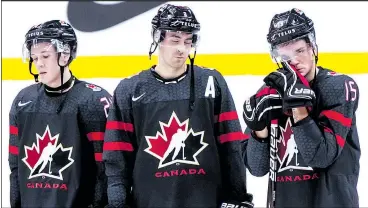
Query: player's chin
[
  {"x": 303, "y": 71},
  {"x": 177, "y": 63},
  {"x": 45, "y": 80}
]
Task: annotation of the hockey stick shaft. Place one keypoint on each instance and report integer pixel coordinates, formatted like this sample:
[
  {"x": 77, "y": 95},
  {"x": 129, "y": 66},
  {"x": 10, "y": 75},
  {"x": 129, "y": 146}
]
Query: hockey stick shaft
[{"x": 271, "y": 198}]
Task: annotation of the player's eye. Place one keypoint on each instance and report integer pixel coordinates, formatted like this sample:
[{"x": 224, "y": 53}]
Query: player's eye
[
  {"x": 188, "y": 42},
  {"x": 301, "y": 50},
  {"x": 45, "y": 56}
]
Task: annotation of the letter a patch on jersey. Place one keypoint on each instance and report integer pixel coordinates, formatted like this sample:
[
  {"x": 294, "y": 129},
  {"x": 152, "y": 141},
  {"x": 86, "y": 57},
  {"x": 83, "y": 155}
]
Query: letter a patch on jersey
[
  {"x": 170, "y": 145},
  {"x": 210, "y": 88}
]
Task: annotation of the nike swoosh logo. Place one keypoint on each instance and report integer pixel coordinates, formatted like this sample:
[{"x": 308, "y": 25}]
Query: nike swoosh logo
[
  {"x": 23, "y": 104},
  {"x": 137, "y": 98},
  {"x": 88, "y": 16}
]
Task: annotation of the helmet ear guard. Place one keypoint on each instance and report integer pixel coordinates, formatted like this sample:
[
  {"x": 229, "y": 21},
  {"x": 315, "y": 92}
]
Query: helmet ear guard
[{"x": 157, "y": 35}]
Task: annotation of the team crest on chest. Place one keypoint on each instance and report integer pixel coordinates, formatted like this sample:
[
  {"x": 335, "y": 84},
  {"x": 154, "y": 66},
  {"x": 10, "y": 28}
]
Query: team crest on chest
[
  {"x": 288, "y": 150},
  {"x": 171, "y": 142},
  {"x": 47, "y": 157}
]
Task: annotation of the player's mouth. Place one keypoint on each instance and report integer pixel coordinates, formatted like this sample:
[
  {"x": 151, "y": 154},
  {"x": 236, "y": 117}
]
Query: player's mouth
[{"x": 300, "y": 69}]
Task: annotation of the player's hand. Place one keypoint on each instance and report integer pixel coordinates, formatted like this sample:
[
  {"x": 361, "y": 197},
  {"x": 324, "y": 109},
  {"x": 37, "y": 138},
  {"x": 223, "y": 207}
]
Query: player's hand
[
  {"x": 261, "y": 108},
  {"x": 293, "y": 87}
]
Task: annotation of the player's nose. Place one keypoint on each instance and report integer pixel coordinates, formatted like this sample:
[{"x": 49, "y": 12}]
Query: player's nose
[
  {"x": 40, "y": 64},
  {"x": 294, "y": 61},
  {"x": 180, "y": 48}
]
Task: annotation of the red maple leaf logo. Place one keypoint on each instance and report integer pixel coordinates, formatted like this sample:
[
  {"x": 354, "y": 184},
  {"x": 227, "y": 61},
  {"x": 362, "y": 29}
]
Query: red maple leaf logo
[
  {"x": 159, "y": 143},
  {"x": 33, "y": 153},
  {"x": 40, "y": 155},
  {"x": 163, "y": 148},
  {"x": 288, "y": 150},
  {"x": 285, "y": 136}
]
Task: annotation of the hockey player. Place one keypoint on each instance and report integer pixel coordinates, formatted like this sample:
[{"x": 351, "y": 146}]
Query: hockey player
[
  {"x": 302, "y": 124},
  {"x": 57, "y": 127},
  {"x": 173, "y": 134}
]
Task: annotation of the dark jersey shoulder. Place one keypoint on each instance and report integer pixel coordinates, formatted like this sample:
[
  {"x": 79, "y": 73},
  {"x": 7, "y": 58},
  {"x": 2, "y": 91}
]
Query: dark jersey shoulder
[
  {"x": 89, "y": 90},
  {"x": 127, "y": 86},
  {"x": 29, "y": 92},
  {"x": 205, "y": 72},
  {"x": 26, "y": 96},
  {"x": 331, "y": 79},
  {"x": 92, "y": 97},
  {"x": 336, "y": 87},
  {"x": 204, "y": 76}
]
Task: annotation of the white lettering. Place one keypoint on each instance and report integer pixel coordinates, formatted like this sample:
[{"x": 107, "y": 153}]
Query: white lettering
[{"x": 210, "y": 88}]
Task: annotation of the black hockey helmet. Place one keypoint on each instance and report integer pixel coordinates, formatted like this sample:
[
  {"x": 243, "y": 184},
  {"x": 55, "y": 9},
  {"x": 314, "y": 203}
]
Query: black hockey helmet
[
  {"x": 174, "y": 18},
  {"x": 288, "y": 26},
  {"x": 59, "y": 33}
]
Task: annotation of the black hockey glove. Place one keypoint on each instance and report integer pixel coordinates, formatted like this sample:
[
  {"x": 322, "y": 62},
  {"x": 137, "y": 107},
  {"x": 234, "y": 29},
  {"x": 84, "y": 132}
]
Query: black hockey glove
[
  {"x": 261, "y": 108},
  {"x": 292, "y": 86}
]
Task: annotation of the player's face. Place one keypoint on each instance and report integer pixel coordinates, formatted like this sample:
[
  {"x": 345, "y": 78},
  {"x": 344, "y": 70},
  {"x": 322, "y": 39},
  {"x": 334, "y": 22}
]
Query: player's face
[
  {"x": 301, "y": 56},
  {"x": 175, "y": 48},
  {"x": 45, "y": 59}
]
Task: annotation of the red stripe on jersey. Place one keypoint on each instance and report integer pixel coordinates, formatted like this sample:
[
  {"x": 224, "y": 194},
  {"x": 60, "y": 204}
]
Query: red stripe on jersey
[
  {"x": 98, "y": 157},
  {"x": 13, "y": 150},
  {"x": 95, "y": 136},
  {"x": 339, "y": 117},
  {"x": 247, "y": 136},
  {"x": 13, "y": 130},
  {"x": 339, "y": 139},
  {"x": 118, "y": 125},
  {"x": 233, "y": 136},
  {"x": 275, "y": 121},
  {"x": 114, "y": 146},
  {"x": 266, "y": 91},
  {"x": 227, "y": 116}
]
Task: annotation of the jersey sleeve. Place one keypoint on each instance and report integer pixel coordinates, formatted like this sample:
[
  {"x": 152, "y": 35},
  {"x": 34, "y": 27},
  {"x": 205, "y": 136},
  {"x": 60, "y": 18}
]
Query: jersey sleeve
[
  {"x": 228, "y": 125},
  {"x": 15, "y": 199},
  {"x": 256, "y": 154},
  {"x": 119, "y": 149},
  {"x": 229, "y": 135},
  {"x": 94, "y": 120},
  {"x": 320, "y": 140}
]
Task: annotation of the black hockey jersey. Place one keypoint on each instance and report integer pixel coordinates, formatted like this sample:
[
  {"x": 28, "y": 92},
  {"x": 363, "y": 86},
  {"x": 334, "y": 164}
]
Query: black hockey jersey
[
  {"x": 318, "y": 157},
  {"x": 55, "y": 147},
  {"x": 158, "y": 153}
]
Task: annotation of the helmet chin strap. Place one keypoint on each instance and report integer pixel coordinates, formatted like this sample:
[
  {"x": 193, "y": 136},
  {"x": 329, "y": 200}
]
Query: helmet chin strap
[
  {"x": 151, "y": 51},
  {"x": 61, "y": 72},
  {"x": 192, "y": 90},
  {"x": 30, "y": 70}
]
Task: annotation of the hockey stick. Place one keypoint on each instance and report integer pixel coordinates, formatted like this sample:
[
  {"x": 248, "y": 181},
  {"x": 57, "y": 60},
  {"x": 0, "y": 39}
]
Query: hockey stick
[{"x": 271, "y": 196}]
